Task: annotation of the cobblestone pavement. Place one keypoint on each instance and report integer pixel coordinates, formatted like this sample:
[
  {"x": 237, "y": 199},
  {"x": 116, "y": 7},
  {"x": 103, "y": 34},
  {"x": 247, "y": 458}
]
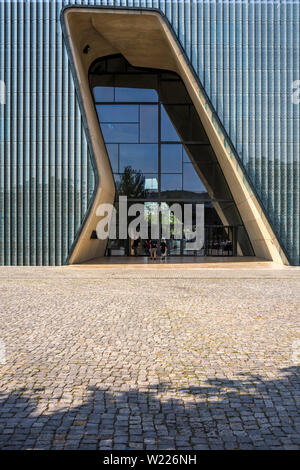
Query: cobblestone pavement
[{"x": 147, "y": 359}]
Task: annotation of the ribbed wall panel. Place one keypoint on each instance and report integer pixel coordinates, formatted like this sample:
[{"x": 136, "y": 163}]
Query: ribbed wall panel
[
  {"x": 246, "y": 56},
  {"x": 46, "y": 174}
]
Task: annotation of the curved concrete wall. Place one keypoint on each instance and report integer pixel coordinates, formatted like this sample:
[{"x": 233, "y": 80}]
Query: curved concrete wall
[{"x": 145, "y": 39}]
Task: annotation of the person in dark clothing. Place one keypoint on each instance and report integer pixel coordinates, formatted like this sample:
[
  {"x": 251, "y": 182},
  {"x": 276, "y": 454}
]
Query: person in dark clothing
[
  {"x": 153, "y": 249},
  {"x": 163, "y": 249}
]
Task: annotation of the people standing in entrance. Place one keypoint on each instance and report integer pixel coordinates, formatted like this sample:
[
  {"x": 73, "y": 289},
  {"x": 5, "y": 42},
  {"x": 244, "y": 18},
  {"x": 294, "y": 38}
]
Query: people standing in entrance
[
  {"x": 153, "y": 248},
  {"x": 163, "y": 249}
]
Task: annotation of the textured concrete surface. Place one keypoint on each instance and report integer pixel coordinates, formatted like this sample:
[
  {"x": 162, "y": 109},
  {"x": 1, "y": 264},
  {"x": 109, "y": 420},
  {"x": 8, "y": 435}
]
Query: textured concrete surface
[{"x": 149, "y": 358}]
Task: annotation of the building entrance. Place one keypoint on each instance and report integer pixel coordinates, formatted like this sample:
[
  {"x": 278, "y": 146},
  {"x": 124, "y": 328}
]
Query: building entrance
[
  {"x": 160, "y": 155},
  {"x": 196, "y": 238}
]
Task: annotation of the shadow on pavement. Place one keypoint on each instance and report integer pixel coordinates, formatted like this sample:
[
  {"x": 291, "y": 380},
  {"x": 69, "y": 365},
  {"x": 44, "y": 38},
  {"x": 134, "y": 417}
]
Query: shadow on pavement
[{"x": 248, "y": 413}]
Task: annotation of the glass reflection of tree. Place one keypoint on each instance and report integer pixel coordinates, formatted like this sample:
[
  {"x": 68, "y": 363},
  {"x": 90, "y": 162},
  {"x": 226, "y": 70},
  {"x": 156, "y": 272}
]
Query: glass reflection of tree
[{"x": 131, "y": 184}]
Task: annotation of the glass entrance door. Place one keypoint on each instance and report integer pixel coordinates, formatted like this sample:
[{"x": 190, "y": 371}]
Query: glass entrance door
[{"x": 165, "y": 222}]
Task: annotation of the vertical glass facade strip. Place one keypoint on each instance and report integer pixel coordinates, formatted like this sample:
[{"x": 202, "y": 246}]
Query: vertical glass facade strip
[
  {"x": 46, "y": 175},
  {"x": 246, "y": 56}
]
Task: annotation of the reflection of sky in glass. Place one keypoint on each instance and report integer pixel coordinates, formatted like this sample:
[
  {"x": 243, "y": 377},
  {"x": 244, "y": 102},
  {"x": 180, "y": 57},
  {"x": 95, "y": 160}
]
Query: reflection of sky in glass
[
  {"x": 130, "y": 132},
  {"x": 118, "y": 112},
  {"x": 113, "y": 153},
  {"x": 136, "y": 95},
  {"x": 120, "y": 132},
  {"x": 123, "y": 94},
  {"x": 171, "y": 158},
  {"x": 141, "y": 157},
  {"x": 148, "y": 123},
  {"x": 186, "y": 158},
  {"x": 191, "y": 180},
  {"x": 171, "y": 182},
  {"x": 104, "y": 93},
  {"x": 168, "y": 132}
]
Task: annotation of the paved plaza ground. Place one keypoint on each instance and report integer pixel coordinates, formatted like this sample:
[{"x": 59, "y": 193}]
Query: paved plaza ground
[{"x": 150, "y": 358}]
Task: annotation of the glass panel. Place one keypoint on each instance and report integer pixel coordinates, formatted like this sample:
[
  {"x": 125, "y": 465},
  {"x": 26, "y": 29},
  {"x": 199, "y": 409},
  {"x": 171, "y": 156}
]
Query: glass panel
[
  {"x": 118, "y": 113},
  {"x": 130, "y": 184},
  {"x": 186, "y": 157},
  {"x": 219, "y": 241},
  {"x": 194, "y": 131},
  {"x": 191, "y": 180},
  {"x": 204, "y": 158},
  {"x": 200, "y": 154},
  {"x": 212, "y": 216},
  {"x": 117, "y": 178},
  {"x": 187, "y": 123},
  {"x": 117, "y": 248},
  {"x": 171, "y": 158},
  {"x": 230, "y": 212},
  {"x": 174, "y": 246},
  {"x": 151, "y": 182},
  {"x": 113, "y": 153},
  {"x": 216, "y": 182},
  {"x": 120, "y": 132},
  {"x": 136, "y": 95},
  {"x": 173, "y": 91},
  {"x": 148, "y": 123},
  {"x": 141, "y": 157},
  {"x": 168, "y": 133},
  {"x": 104, "y": 93},
  {"x": 145, "y": 84},
  {"x": 171, "y": 182},
  {"x": 151, "y": 211},
  {"x": 218, "y": 211},
  {"x": 244, "y": 242}
]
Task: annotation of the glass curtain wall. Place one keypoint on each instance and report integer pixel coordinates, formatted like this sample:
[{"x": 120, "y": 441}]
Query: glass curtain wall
[{"x": 160, "y": 154}]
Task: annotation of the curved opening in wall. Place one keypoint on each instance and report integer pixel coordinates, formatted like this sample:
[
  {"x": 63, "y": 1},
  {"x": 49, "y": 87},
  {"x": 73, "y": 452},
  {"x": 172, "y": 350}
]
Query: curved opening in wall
[{"x": 146, "y": 114}]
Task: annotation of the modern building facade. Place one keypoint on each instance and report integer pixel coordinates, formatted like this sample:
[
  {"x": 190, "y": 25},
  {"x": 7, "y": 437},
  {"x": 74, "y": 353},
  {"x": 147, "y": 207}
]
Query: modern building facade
[{"x": 186, "y": 102}]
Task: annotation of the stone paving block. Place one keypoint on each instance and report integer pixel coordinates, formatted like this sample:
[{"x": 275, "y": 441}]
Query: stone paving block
[{"x": 148, "y": 359}]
